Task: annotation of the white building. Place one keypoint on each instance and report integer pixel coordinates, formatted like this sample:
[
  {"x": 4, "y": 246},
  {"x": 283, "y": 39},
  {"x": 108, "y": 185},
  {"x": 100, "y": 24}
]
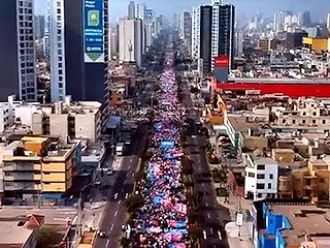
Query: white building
[
  {"x": 328, "y": 21},
  {"x": 261, "y": 177},
  {"x": 57, "y": 51},
  {"x": 130, "y": 41},
  {"x": 195, "y": 35}
]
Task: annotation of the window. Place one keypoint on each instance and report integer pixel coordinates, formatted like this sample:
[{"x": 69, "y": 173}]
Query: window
[
  {"x": 251, "y": 174},
  {"x": 323, "y": 122},
  {"x": 284, "y": 121},
  {"x": 260, "y": 167},
  {"x": 304, "y": 113},
  {"x": 259, "y": 195},
  {"x": 261, "y": 176},
  {"x": 269, "y": 186},
  {"x": 303, "y": 121},
  {"x": 314, "y": 113},
  {"x": 322, "y": 180},
  {"x": 271, "y": 176},
  {"x": 260, "y": 186},
  {"x": 314, "y": 121},
  {"x": 293, "y": 121}
]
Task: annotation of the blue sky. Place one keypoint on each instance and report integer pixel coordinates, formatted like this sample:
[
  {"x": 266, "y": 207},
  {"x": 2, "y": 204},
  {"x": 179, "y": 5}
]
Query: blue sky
[{"x": 244, "y": 8}]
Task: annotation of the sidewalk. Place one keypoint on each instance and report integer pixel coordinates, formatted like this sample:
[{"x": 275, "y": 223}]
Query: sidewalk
[{"x": 238, "y": 237}]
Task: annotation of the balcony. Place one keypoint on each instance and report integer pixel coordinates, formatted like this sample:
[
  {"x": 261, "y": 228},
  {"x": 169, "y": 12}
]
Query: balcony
[
  {"x": 310, "y": 186},
  {"x": 19, "y": 186},
  {"x": 22, "y": 177}
]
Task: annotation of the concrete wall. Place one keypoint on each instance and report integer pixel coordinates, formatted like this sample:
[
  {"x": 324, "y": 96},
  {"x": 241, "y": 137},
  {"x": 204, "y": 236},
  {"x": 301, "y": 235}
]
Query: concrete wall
[
  {"x": 85, "y": 126},
  {"x": 59, "y": 125}
]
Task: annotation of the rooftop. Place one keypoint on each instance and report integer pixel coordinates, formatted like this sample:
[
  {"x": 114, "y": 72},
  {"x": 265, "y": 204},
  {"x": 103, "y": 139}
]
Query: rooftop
[
  {"x": 16, "y": 231},
  {"x": 304, "y": 218}
]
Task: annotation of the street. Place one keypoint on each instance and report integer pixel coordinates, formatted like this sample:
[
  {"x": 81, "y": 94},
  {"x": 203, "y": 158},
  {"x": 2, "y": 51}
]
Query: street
[{"x": 214, "y": 215}]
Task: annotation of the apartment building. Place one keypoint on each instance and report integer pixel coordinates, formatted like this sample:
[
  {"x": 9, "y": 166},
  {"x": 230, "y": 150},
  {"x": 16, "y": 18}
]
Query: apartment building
[
  {"x": 37, "y": 165},
  {"x": 261, "y": 178},
  {"x": 69, "y": 120},
  {"x": 309, "y": 113},
  {"x": 66, "y": 119}
]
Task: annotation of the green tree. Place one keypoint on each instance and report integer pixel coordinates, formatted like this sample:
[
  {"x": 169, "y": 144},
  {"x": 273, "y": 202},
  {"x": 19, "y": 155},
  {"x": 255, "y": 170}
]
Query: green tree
[{"x": 47, "y": 237}]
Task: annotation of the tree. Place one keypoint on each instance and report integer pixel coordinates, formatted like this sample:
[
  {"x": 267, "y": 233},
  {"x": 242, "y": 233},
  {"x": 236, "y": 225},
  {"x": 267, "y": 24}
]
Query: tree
[
  {"x": 125, "y": 242},
  {"x": 47, "y": 237},
  {"x": 134, "y": 203}
]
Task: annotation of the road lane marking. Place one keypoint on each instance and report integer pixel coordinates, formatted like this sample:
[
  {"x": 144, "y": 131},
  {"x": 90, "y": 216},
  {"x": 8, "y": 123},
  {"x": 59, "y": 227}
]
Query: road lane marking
[
  {"x": 208, "y": 215},
  {"x": 111, "y": 228},
  {"x": 108, "y": 242},
  {"x": 116, "y": 213},
  {"x": 211, "y": 231},
  {"x": 126, "y": 196},
  {"x": 219, "y": 235},
  {"x": 206, "y": 204},
  {"x": 204, "y": 234}
]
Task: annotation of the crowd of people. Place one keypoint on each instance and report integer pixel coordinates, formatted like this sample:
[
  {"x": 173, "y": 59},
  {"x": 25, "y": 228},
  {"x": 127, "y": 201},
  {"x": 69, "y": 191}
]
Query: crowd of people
[{"x": 162, "y": 220}]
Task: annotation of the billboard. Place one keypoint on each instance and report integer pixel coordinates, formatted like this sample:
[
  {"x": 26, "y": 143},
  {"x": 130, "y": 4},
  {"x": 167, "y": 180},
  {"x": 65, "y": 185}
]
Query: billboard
[
  {"x": 93, "y": 31},
  {"x": 221, "y": 68}
]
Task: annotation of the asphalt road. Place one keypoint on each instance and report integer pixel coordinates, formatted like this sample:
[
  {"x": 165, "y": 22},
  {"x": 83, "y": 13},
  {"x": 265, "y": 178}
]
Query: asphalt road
[
  {"x": 214, "y": 216},
  {"x": 121, "y": 186}
]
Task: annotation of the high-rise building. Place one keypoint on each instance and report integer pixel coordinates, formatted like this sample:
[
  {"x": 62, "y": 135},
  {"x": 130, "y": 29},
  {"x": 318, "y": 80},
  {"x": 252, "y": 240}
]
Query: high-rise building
[
  {"x": 328, "y": 21},
  {"x": 140, "y": 11},
  {"x": 213, "y": 33},
  {"x": 17, "y": 50},
  {"x": 131, "y": 10},
  {"x": 40, "y": 25},
  {"x": 79, "y": 49},
  {"x": 148, "y": 27},
  {"x": 114, "y": 40},
  {"x": 306, "y": 19},
  {"x": 130, "y": 41},
  {"x": 185, "y": 28},
  {"x": 185, "y": 25},
  {"x": 239, "y": 39}
]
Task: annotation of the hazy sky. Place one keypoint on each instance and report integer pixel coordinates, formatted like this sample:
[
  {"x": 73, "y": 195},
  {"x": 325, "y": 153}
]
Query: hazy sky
[{"x": 244, "y": 8}]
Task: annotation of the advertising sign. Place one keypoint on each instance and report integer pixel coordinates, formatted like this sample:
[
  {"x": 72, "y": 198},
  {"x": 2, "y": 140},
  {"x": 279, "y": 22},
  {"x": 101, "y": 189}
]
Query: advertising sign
[
  {"x": 93, "y": 30},
  {"x": 221, "y": 61}
]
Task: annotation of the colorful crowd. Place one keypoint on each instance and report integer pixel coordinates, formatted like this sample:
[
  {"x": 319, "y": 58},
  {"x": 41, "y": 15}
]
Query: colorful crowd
[{"x": 162, "y": 220}]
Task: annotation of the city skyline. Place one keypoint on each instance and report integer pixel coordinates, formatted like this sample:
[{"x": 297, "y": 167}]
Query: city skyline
[{"x": 119, "y": 8}]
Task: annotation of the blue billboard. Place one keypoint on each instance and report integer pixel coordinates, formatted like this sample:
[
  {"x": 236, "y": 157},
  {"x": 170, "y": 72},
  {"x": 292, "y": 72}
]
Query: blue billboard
[{"x": 93, "y": 30}]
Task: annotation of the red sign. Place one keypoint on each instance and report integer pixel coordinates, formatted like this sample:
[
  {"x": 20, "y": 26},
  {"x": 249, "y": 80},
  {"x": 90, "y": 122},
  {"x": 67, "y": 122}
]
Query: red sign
[{"x": 221, "y": 61}]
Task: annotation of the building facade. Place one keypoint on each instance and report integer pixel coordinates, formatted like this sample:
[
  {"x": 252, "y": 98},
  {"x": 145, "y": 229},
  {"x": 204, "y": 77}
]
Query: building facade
[
  {"x": 130, "y": 41},
  {"x": 131, "y": 10},
  {"x": 17, "y": 49},
  {"x": 261, "y": 178},
  {"x": 79, "y": 49},
  {"x": 33, "y": 165},
  {"x": 213, "y": 33}
]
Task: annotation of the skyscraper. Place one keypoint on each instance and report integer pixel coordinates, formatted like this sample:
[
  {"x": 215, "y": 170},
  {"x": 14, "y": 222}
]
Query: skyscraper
[
  {"x": 185, "y": 28},
  {"x": 213, "y": 33},
  {"x": 17, "y": 50},
  {"x": 40, "y": 23},
  {"x": 130, "y": 41},
  {"x": 328, "y": 21},
  {"x": 79, "y": 49},
  {"x": 131, "y": 10},
  {"x": 306, "y": 19}
]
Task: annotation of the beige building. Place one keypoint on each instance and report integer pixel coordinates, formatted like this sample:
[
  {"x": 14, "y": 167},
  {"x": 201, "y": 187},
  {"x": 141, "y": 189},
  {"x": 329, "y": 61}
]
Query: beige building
[
  {"x": 309, "y": 113},
  {"x": 69, "y": 120},
  {"x": 37, "y": 164}
]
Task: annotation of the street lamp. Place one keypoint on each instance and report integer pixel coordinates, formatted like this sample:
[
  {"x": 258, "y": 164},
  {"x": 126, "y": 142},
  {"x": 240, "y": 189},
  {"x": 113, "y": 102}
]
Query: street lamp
[{"x": 80, "y": 204}]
